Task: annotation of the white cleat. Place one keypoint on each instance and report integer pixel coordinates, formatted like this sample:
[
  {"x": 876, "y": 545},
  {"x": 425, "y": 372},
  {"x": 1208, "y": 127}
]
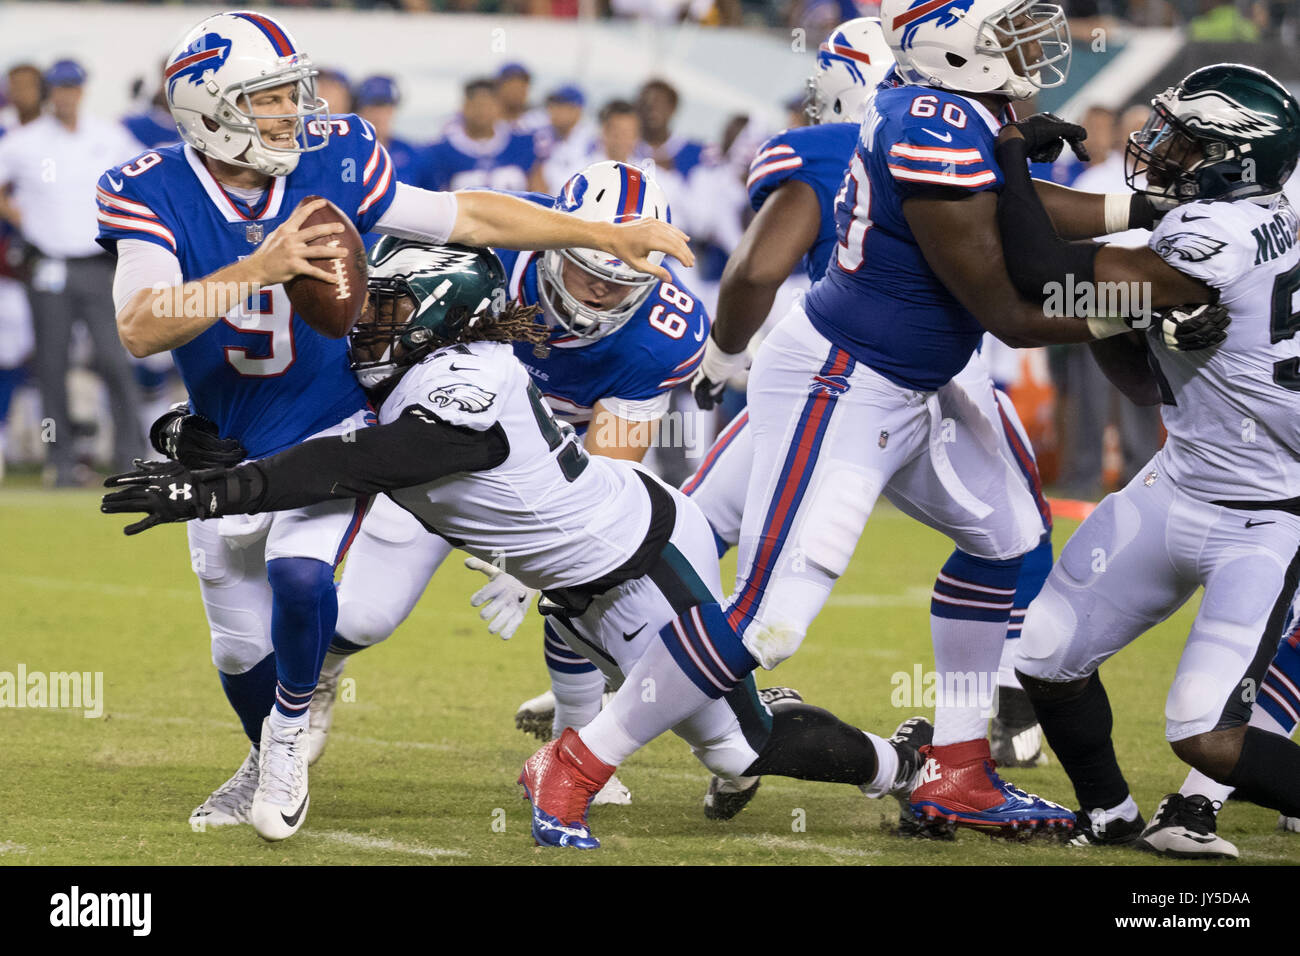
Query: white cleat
[
  {"x": 320, "y": 714},
  {"x": 232, "y": 802},
  {"x": 281, "y": 800},
  {"x": 536, "y": 716},
  {"x": 614, "y": 793},
  {"x": 1186, "y": 827}
]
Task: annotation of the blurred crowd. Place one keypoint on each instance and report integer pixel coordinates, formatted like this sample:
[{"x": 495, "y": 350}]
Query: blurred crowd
[
  {"x": 1245, "y": 20},
  {"x": 72, "y": 401}
]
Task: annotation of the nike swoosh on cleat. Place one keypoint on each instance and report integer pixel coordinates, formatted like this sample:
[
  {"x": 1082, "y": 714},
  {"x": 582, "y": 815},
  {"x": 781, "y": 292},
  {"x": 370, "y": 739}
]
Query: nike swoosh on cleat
[{"x": 297, "y": 814}]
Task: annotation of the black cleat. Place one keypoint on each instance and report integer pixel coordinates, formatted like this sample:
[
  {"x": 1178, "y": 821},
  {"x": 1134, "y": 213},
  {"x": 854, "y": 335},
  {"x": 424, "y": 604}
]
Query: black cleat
[
  {"x": 1185, "y": 827},
  {"x": 1091, "y": 828},
  {"x": 774, "y": 697},
  {"x": 1015, "y": 737},
  {"x": 727, "y": 798}
]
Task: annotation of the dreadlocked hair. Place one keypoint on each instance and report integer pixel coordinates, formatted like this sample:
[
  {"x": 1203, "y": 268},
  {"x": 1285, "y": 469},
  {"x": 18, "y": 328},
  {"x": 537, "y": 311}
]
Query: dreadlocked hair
[{"x": 516, "y": 322}]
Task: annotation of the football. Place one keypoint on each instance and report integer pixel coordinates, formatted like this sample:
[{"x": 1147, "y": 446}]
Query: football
[{"x": 332, "y": 308}]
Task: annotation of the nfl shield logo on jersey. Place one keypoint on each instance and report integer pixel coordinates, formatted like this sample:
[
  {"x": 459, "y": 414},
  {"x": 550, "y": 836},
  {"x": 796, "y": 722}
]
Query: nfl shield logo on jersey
[{"x": 253, "y": 232}]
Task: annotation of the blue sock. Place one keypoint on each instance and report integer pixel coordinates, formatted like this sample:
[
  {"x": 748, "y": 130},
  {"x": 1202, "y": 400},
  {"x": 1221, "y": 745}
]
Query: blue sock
[
  {"x": 304, "y": 610},
  {"x": 10, "y": 379},
  {"x": 252, "y": 694},
  {"x": 1034, "y": 569}
]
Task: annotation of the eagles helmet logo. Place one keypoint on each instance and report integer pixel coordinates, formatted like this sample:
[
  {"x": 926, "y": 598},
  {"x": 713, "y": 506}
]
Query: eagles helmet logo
[
  {"x": 1215, "y": 112},
  {"x": 1189, "y": 246},
  {"x": 463, "y": 395}
]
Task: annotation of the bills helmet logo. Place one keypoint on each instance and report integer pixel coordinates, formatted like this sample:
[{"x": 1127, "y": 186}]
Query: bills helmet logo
[
  {"x": 942, "y": 13},
  {"x": 206, "y": 54},
  {"x": 829, "y": 384},
  {"x": 570, "y": 197}
]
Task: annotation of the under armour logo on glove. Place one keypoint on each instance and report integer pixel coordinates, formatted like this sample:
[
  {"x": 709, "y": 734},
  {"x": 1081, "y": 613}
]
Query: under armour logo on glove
[
  {"x": 180, "y": 491},
  {"x": 167, "y": 491}
]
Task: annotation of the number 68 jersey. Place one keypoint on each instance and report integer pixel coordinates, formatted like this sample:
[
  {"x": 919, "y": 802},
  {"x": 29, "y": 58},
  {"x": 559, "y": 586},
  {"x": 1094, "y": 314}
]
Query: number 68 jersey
[
  {"x": 557, "y": 517},
  {"x": 1233, "y": 412},
  {"x": 260, "y": 373}
]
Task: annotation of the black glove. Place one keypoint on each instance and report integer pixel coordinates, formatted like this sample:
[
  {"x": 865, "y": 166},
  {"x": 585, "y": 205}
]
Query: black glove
[
  {"x": 193, "y": 440},
  {"x": 716, "y": 369},
  {"x": 1191, "y": 328},
  {"x": 167, "y": 491},
  {"x": 1045, "y": 134}
]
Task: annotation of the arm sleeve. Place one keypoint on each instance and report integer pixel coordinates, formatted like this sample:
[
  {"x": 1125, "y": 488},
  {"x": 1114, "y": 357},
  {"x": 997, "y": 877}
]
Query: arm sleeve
[
  {"x": 417, "y": 213},
  {"x": 1035, "y": 255},
  {"x": 142, "y": 265},
  {"x": 418, "y": 447},
  {"x": 644, "y": 410}
]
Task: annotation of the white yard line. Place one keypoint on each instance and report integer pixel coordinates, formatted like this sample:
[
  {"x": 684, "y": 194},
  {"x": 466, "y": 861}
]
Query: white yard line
[
  {"x": 99, "y": 587},
  {"x": 10, "y": 847},
  {"x": 374, "y": 843},
  {"x": 912, "y": 597}
]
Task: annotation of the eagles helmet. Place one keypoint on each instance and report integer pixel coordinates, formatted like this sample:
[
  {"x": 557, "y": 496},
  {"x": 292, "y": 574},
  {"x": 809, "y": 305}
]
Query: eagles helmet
[
  {"x": 603, "y": 192},
  {"x": 850, "y": 65},
  {"x": 214, "y": 69},
  {"x": 422, "y": 296},
  {"x": 1011, "y": 47},
  {"x": 1225, "y": 132}
]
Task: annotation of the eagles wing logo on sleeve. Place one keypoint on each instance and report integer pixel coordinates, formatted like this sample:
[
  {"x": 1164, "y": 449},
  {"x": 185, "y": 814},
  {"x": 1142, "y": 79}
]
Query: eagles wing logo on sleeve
[
  {"x": 462, "y": 395},
  {"x": 1189, "y": 246}
]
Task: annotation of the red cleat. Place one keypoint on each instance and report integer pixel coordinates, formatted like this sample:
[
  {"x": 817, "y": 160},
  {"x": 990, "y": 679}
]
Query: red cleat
[
  {"x": 960, "y": 785},
  {"x": 559, "y": 781}
]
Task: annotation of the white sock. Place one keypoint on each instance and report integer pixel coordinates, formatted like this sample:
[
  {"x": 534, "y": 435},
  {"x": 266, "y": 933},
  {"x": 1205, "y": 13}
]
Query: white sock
[
  {"x": 281, "y": 725},
  {"x": 1198, "y": 782},
  {"x": 886, "y": 767},
  {"x": 577, "y": 698},
  {"x": 966, "y": 657}
]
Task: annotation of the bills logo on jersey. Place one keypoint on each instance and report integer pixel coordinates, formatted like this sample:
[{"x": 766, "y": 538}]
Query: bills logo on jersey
[
  {"x": 830, "y": 384},
  {"x": 1189, "y": 246},
  {"x": 208, "y": 53},
  {"x": 942, "y": 13},
  {"x": 463, "y": 395}
]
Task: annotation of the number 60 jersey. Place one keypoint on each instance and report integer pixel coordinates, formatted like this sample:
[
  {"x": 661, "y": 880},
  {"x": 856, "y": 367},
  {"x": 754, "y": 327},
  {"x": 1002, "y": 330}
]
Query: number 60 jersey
[
  {"x": 260, "y": 373},
  {"x": 1233, "y": 412}
]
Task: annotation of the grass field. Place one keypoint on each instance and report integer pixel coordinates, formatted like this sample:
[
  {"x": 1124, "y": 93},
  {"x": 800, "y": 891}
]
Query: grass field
[{"x": 421, "y": 766}]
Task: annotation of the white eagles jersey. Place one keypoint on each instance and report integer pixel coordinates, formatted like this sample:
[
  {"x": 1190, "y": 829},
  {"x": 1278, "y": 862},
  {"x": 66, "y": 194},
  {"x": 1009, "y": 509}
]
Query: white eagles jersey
[
  {"x": 549, "y": 514},
  {"x": 1233, "y": 412}
]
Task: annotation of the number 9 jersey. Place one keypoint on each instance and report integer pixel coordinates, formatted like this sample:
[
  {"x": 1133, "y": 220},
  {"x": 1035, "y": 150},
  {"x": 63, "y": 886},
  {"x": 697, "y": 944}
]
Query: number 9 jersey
[
  {"x": 260, "y": 373},
  {"x": 879, "y": 299},
  {"x": 1233, "y": 412}
]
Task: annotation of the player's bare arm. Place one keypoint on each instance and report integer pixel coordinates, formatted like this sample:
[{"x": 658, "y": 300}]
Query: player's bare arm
[
  {"x": 493, "y": 219},
  {"x": 147, "y": 324},
  {"x": 975, "y": 272},
  {"x": 1038, "y": 255},
  {"x": 773, "y": 244},
  {"x": 612, "y": 436}
]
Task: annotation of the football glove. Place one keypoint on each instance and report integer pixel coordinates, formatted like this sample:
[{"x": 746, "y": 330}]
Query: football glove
[
  {"x": 1191, "y": 328},
  {"x": 504, "y": 599},
  {"x": 193, "y": 440},
  {"x": 716, "y": 369},
  {"x": 166, "y": 491},
  {"x": 1045, "y": 134}
]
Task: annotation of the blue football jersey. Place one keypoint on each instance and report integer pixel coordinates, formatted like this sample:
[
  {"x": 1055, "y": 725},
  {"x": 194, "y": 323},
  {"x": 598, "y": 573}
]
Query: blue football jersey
[
  {"x": 656, "y": 350},
  {"x": 879, "y": 299},
  {"x": 816, "y": 155},
  {"x": 152, "y": 128},
  {"x": 260, "y": 373},
  {"x": 458, "y": 162}
]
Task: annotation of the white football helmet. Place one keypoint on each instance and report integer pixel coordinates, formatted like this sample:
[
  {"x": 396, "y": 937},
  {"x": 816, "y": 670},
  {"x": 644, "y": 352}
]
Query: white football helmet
[
  {"x": 212, "y": 71},
  {"x": 603, "y": 192},
  {"x": 850, "y": 65},
  {"x": 1011, "y": 47}
]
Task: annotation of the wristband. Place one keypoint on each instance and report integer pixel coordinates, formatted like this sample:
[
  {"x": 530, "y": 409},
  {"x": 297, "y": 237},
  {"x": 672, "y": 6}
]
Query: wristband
[{"x": 1104, "y": 326}]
